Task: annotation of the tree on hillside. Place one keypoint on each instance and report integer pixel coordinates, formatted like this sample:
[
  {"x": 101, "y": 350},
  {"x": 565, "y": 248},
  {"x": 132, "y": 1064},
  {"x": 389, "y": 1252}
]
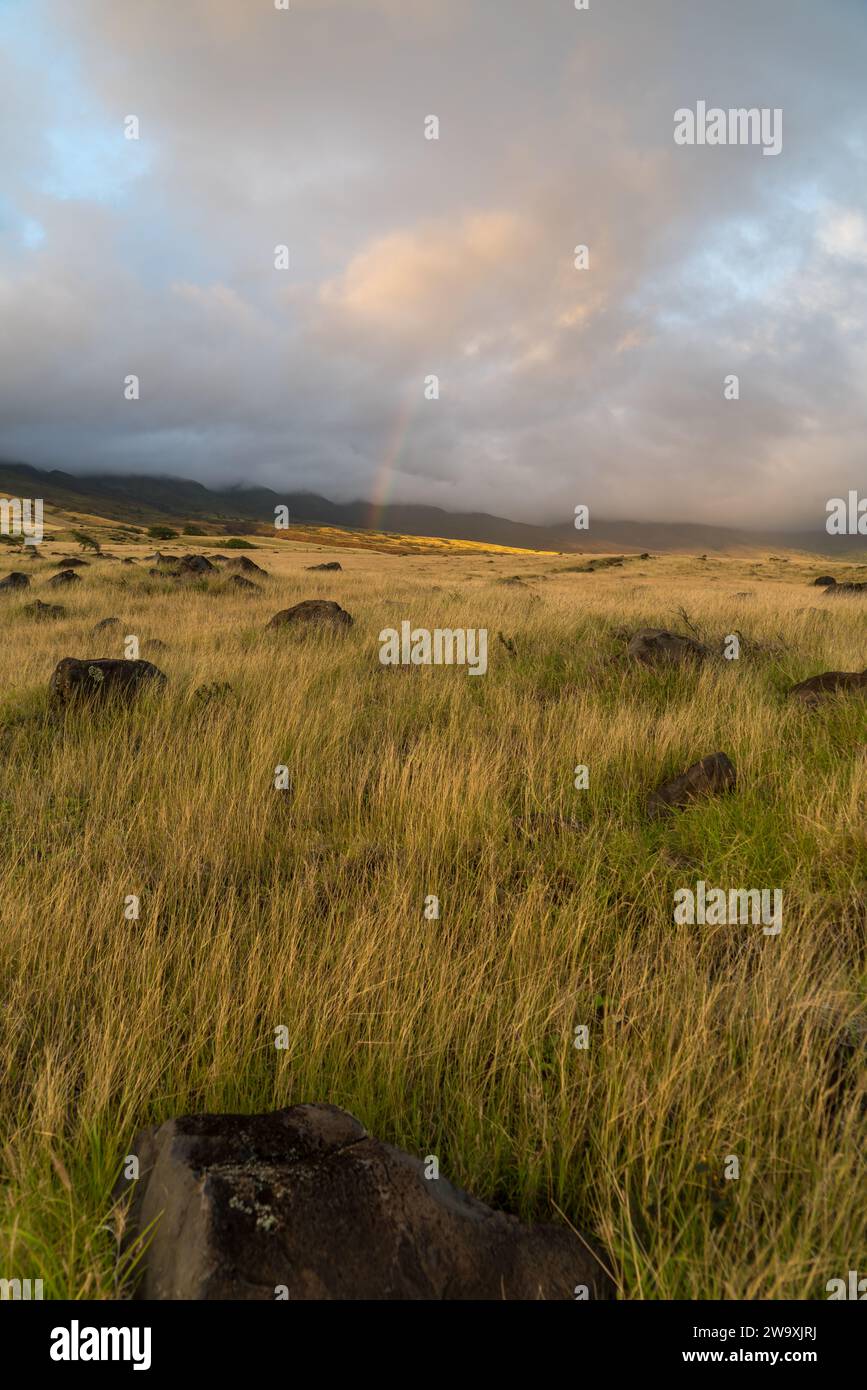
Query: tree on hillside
[{"x": 86, "y": 542}]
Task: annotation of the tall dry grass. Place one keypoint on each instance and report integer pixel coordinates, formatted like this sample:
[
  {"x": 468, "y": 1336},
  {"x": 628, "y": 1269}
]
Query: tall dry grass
[{"x": 450, "y": 1036}]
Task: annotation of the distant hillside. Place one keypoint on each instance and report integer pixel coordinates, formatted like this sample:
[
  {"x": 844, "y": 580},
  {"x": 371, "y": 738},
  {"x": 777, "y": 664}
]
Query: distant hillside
[{"x": 145, "y": 500}]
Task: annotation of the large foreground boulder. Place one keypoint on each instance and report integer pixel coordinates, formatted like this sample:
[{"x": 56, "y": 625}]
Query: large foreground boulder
[
  {"x": 304, "y": 1204},
  {"x": 713, "y": 775},
  {"x": 817, "y": 688},
  {"x": 101, "y": 679},
  {"x": 654, "y": 645},
  {"x": 312, "y": 612}
]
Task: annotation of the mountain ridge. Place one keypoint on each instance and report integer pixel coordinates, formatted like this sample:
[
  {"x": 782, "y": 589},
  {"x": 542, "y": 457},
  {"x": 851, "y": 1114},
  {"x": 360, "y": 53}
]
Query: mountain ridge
[{"x": 149, "y": 499}]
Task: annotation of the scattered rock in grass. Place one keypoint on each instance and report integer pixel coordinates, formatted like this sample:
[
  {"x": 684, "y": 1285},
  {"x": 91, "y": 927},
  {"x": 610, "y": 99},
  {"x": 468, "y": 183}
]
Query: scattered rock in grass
[
  {"x": 45, "y": 610},
  {"x": 846, "y": 589},
  {"x": 239, "y": 582},
  {"x": 824, "y": 581},
  {"x": 328, "y": 565},
  {"x": 59, "y": 581},
  {"x": 15, "y": 580},
  {"x": 656, "y": 645},
  {"x": 818, "y": 688},
  {"x": 195, "y": 564},
  {"x": 312, "y": 612},
  {"x": 711, "y": 776},
  {"x": 71, "y": 562},
  {"x": 245, "y": 565},
  {"x": 213, "y": 692},
  {"x": 73, "y": 679},
  {"x": 304, "y": 1199},
  {"x": 103, "y": 625}
]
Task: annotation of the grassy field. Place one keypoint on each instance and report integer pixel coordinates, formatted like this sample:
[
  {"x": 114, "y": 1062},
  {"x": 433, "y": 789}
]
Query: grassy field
[{"x": 453, "y": 1036}]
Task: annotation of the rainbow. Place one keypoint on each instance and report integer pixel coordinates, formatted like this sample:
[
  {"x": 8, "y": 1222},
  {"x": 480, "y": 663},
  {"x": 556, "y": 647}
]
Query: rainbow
[{"x": 382, "y": 485}]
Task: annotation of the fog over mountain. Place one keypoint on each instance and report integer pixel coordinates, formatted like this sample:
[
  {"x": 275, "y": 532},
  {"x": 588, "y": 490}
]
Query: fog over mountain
[
  {"x": 455, "y": 257},
  {"x": 144, "y": 499}
]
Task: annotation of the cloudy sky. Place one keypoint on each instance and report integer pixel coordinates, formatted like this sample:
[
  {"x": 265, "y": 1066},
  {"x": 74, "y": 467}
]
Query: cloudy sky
[{"x": 454, "y": 257}]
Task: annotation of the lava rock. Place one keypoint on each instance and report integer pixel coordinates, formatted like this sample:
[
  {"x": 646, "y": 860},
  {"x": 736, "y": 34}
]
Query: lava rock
[
  {"x": 74, "y": 679},
  {"x": 212, "y": 692},
  {"x": 714, "y": 774},
  {"x": 312, "y": 612},
  {"x": 653, "y": 645},
  {"x": 42, "y": 610},
  {"x": 818, "y": 688},
  {"x": 245, "y": 565},
  {"x": 196, "y": 564},
  {"x": 305, "y": 1201}
]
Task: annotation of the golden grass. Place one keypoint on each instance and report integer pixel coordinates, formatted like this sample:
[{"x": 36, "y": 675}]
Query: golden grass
[{"x": 452, "y": 1036}]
